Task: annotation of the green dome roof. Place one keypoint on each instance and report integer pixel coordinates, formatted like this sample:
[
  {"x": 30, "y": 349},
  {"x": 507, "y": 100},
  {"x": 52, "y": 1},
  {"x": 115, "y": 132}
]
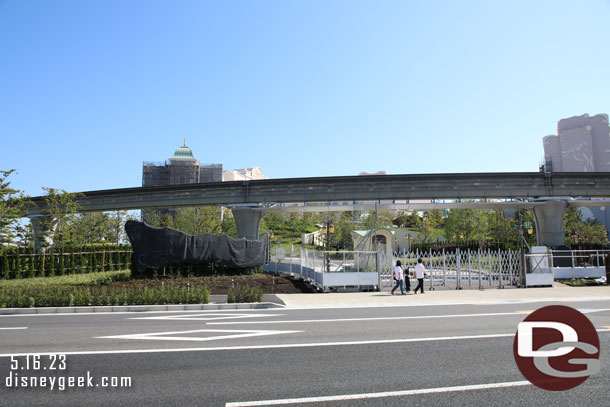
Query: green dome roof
[{"x": 183, "y": 153}]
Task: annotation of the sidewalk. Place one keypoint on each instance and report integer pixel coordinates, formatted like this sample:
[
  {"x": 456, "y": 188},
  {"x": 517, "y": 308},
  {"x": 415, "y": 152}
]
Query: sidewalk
[
  {"x": 446, "y": 297},
  {"x": 560, "y": 293}
]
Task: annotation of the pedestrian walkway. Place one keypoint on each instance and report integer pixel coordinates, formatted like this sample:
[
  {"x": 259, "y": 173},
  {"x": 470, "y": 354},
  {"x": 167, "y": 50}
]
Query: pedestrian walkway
[{"x": 560, "y": 293}]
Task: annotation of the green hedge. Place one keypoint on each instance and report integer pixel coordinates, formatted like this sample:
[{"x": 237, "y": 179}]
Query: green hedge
[
  {"x": 43, "y": 296},
  {"x": 58, "y": 261},
  {"x": 245, "y": 294}
]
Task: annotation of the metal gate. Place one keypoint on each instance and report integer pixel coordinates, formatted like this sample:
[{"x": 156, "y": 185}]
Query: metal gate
[{"x": 459, "y": 269}]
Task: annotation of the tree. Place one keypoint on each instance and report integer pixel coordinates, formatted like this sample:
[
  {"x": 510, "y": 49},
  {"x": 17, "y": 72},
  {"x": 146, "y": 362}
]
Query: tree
[
  {"x": 24, "y": 234},
  {"x": 344, "y": 225},
  {"x": 578, "y": 232},
  {"x": 117, "y": 224},
  {"x": 503, "y": 228},
  {"x": 60, "y": 205},
  {"x": 468, "y": 225},
  {"x": 434, "y": 218},
  {"x": 194, "y": 221},
  {"x": 89, "y": 227},
  {"x": 199, "y": 220},
  {"x": 429, "y": 225},
  {"x": 408, "y": 220},
  {"x": 228, "y": 225},
  {"x": 378, "y": 220},
  {"x": 12, "y": 205}
]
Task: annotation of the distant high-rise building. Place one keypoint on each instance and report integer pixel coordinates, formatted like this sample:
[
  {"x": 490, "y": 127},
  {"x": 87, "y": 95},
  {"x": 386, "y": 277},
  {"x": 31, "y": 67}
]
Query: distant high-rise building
[
  {"x": 582, "y": 144},
  {"x": 245, "y": 174}
]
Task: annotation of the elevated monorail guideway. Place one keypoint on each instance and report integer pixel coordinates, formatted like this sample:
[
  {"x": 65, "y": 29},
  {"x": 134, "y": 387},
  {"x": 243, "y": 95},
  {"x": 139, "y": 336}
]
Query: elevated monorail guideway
[{"x": 555, "y": 190}]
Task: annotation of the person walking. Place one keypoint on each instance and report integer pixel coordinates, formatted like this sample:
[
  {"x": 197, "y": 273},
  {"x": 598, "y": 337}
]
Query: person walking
[
  {"x": 420, "y": 272},
  {"x": 398, "y": 277},
  {"x": 408, "y": 273}
]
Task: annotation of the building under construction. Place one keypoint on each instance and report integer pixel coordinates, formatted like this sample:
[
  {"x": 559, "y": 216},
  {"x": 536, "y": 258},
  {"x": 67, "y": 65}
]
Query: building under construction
[{"x": 182, "y": 168}]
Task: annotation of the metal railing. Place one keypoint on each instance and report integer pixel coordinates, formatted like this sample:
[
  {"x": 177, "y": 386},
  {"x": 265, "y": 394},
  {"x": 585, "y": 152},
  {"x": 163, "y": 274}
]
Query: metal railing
[
  {"x": 568, "y": 264},
  {"x": 579, "y": 258}
]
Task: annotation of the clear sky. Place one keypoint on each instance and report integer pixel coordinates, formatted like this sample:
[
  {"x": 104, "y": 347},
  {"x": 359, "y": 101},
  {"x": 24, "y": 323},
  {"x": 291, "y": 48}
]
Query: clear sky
[{"x": 91, "y": 89}]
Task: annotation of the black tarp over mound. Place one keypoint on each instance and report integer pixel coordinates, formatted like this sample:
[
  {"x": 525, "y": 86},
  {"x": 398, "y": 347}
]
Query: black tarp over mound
[{"x": 156, "y": 247}]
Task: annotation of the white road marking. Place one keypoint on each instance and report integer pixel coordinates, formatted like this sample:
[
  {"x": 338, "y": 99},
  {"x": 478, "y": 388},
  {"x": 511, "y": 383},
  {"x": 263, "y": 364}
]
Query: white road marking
[
  {"x": 16, "y": 327},
  {"x": 400, "y": 393},
  {"x": 495, "y": 314},
  {"x": 276, "y": 346},
  {"x": 162, "y": 336},
  {"x": 209, "y": 316}
]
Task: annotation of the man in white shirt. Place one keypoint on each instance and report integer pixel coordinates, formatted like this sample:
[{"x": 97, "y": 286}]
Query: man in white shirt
[{"x": 420, "y": 272}]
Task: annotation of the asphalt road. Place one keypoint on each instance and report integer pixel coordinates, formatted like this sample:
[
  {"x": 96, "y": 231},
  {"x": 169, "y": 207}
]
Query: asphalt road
[{"x": 382, "y": 356}]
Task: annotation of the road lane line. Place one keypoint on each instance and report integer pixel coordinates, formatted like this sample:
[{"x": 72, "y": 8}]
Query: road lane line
[
  {"x": 495, "y": 314},
  {"x": 16, "y": 327},
  {"x": 296, "y": 321},
  {"x": 209, "y": 316},
  {"x": 275, "y": 346},
  {"x": 400, "y": 393}
]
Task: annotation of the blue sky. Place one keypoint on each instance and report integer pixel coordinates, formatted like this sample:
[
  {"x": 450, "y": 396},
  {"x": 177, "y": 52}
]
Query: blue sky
[{"x": 91, "y": 89}]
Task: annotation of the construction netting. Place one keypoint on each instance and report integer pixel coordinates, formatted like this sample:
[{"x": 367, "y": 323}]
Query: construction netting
[{"x": 155, "y": 247}]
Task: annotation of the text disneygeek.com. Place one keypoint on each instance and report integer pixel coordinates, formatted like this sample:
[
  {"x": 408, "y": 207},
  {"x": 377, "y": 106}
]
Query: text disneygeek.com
[{"x": 24, "y": 370}]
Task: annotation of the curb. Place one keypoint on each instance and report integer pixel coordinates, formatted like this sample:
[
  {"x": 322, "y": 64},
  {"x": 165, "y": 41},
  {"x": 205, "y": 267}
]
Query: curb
[{"x": 136, "y": 308}]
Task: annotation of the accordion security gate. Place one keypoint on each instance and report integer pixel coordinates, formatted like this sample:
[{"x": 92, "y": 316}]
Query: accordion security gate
[{"x": 472, "y": 269}]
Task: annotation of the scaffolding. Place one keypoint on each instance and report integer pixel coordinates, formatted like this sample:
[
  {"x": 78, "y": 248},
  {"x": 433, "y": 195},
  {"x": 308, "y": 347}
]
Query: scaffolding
[{"x": 173, "y": 172}]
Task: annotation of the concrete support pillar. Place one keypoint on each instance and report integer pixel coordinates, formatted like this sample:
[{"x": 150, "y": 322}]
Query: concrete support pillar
[
  {"x": 43, "y": 227},
  {"x": 247, "y": 221},
  {"x": 549, "y": 223}
]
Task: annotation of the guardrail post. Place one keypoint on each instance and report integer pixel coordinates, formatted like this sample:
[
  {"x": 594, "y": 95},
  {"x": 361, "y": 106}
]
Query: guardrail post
[
  {"x": 458, "y": 269},
  {"x": 500, "y": 269},
  {"x": 480, "y": 270},
  {"x": 510, "y": 267},
  {"x": 597, "y": 258},
  {"x": 431, "y": 273},
  {"x": 489, "y": 266},
  {"x": 469, "y": 268},
  {"x": 444, "y": 270}
]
